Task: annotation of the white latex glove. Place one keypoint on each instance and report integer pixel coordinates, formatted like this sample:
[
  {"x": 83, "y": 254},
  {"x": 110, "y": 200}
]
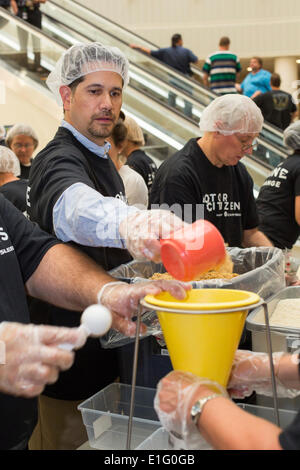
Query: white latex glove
[
  {"x": 123, "y": 300},
  {"x": 251, "y": 373},
  {"x": 142, "y": 231},
  {"x": 33, "y": 357},
  {"x": 176, "y": 393}
]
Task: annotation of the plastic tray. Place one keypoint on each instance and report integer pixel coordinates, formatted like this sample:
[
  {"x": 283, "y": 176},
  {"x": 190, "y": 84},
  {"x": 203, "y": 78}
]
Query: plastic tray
[
  {"x": 283, "y": 338},
  {"x": 105, "y": 416}
]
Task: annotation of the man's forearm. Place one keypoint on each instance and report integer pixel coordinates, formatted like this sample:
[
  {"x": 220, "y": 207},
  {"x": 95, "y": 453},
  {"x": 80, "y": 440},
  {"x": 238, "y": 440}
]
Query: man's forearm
[
  {"x": 205, "y": 79},
  {"x": 67, "y": 278},
  {"x": 288, "y": 371},
  {"x": 246, "y": 431},
  {"x": 255, "y": 238}
]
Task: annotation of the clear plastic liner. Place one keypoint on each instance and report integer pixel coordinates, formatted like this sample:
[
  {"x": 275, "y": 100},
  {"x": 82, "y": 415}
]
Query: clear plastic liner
[{"x": 261, "y": 270}]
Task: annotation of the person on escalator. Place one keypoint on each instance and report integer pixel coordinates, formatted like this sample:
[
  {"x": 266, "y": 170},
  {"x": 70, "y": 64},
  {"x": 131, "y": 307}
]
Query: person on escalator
[
  {"x": 180, "y": 59},
  {"x": 29, "y": 11},
  {"x": 278, "y": 202},
  {"x": 206, "y": 179}
]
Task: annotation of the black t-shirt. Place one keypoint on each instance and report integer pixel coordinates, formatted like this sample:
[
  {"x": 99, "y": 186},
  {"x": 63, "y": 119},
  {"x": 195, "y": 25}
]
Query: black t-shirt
[
  {"x": 276, "y": 107},
  {"x": 144, "y": 165},
  {"x": 25, "y": 170},
  {"x": 276, "y": 203},
  {"x": 22, "y": 247},
  {"x": 290, "y": 437},
  {"x": 63, "y": 162},
  {"x": 177, "y": 57},
  {"x": 188, "y": 181},
  {"x": 15, "y": 192}
]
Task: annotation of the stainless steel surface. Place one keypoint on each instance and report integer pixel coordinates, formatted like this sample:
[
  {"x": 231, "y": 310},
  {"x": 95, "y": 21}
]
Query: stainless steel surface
[{"x": 255, "y": 324}]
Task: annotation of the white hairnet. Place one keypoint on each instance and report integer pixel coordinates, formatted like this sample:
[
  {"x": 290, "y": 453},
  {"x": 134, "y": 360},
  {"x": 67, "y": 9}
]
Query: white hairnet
[
  {"x": 231, "y": 114},
  {"x": 82, "y": 59},
  {"x": 291, "y": 135},
  {"x": 9, "y": 162},
  {"x": 21, "y": 129},
  {"x": 2, "y": 132}
]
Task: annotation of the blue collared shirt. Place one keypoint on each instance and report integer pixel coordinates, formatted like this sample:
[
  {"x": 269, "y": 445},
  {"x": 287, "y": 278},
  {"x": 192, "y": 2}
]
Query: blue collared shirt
[{"x": 83, "y": 215}]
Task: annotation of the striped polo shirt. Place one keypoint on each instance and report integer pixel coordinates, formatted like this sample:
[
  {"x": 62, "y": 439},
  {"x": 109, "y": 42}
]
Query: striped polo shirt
[{"x": 222, "y": 67}]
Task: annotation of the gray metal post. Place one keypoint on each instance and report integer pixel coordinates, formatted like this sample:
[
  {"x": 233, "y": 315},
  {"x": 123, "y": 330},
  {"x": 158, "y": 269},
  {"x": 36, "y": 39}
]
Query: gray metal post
[
  {"x": 273, "y": 379},
  {"x": 133, "y": 381}
]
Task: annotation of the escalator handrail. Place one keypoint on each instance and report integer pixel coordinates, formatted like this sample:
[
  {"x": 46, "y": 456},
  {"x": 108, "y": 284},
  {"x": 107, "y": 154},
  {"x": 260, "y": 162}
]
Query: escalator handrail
[
  {"x": 158, "y": 63},
  {"x": 30, "y": 28},
  {"x": 42, "y": 34}
]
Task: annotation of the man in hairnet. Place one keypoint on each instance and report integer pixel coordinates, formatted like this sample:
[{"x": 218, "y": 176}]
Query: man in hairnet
[
  {"x": 76, "y": 193},
  {"x": 206, "y": 179},
  {"x": 35, "y": 263},
  {"x": 278, "y": 202}
]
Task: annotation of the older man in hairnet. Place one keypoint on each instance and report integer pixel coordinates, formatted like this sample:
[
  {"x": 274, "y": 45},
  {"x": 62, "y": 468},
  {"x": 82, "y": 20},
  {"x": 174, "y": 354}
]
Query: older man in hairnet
[
  {"x": 76, "y": 193},
  {"x": 206, "y": 179}
]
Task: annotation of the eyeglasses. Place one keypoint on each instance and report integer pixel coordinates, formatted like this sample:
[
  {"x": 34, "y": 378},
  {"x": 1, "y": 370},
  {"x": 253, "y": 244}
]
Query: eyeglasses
[
  {"x": 19, "y": 146},
  {"x": 245, "y": 147}
]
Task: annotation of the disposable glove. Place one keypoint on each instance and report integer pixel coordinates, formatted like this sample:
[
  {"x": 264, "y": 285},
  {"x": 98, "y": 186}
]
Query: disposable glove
[
  {"x": 123, "y": 300},
  {"x": 32, "y": 357},
  {"x": 251, "y": 372},
  {"x": 142, "y": 231},
  {"x": 176, "y": 393}
]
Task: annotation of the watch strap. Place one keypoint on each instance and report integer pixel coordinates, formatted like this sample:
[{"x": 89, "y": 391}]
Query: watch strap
[{"x": 199, "y": 405}]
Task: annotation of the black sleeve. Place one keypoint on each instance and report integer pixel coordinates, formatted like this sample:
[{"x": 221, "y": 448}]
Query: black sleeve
[
  {"x": 29, "y": 241},
  {"x": 250, "y": 214},
  {"x": 258, "y": 100},
  {"x": 48, "y": 180},
  {"x": 177, "y": 191},
  {"x": 293, "y": 106},
  {"x": 290, "y": 438}
]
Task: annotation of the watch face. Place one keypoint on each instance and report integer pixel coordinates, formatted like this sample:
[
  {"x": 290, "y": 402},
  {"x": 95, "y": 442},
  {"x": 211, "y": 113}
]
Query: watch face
[{"x": 195, "y": 411}]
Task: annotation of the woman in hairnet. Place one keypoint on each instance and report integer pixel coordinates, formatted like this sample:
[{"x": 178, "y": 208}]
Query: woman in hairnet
[
  {"x": 23, "y": 141},
  {"x": 12, "y": 187},
  {"x": 278, "y": 201}
]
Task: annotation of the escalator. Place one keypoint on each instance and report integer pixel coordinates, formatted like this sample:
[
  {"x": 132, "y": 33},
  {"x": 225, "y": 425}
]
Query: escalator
[{"x": 147, "y": 98}]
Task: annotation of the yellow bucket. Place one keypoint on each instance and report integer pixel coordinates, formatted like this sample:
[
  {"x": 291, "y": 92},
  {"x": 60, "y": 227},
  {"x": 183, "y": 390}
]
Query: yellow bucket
[{"x": 202, "y": 332}]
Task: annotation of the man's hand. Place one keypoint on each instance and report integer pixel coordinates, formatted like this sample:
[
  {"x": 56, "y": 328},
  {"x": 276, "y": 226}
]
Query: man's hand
[
  {"x": 123, "y": 300},
  {"x": 142, "y": 231},
  {"x": 33, "y": 357}
]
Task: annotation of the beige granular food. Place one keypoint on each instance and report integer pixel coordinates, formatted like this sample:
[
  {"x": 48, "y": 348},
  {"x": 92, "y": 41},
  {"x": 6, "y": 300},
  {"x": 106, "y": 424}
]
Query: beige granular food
[
  {"x": 223, "y": 271},
  {"x": 286, "y": 313},
  {"x": 207, "y": 275}
]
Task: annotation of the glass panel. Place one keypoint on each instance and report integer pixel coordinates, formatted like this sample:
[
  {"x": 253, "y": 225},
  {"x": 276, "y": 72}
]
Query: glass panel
[
  {"x": 26, "y": 48},
  {"x": 161, "y": 108},
  {"x": 190, "y": 87}
]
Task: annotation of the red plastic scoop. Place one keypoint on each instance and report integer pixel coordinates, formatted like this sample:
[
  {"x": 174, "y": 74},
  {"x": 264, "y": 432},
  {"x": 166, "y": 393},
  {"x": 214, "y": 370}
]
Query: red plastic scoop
[{"x": 190, "y": 251}]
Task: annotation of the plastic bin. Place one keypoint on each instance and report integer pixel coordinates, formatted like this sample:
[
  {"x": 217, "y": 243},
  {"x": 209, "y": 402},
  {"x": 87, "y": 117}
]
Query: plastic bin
[
  {"x": 283, "y": 338},
  {"x": 160, "y": 439},
  {"x": 106, "y": 413}
]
